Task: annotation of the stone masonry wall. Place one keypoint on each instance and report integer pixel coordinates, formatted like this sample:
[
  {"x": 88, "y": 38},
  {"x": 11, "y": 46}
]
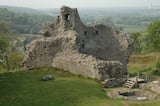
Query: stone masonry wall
[{"x": 98, "y": 51}]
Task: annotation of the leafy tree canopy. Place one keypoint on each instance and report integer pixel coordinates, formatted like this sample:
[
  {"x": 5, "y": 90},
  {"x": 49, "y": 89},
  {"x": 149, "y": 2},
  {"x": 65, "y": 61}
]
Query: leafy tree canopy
[
  {"x": 153, "y": 35},
  {"x": 5, "y": 35},
  {"x": 4, "y": 26},
  {"x": 148, "y": 41}
]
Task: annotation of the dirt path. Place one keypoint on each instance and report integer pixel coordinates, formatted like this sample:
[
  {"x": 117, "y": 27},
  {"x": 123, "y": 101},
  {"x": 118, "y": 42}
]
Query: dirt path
[{"x": 126, "y": 103}]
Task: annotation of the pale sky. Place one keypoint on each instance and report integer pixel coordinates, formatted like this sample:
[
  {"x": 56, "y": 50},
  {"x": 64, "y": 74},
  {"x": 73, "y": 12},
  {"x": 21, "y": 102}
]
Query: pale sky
[{"x": 78, "y": 3}]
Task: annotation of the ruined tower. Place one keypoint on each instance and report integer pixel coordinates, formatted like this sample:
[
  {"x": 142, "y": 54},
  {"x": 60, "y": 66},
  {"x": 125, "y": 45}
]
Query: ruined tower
[{"x": 98, "y": 51}]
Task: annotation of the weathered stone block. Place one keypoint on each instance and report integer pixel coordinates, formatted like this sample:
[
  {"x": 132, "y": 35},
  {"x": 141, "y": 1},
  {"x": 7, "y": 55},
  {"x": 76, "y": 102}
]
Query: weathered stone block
[{"x": 47, "y": 77}]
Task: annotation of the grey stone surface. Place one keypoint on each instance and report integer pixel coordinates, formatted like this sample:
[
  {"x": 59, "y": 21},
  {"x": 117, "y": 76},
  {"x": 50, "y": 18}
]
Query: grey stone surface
[
  {"x": 154, "y": 86},
  {"x": 113, "y": 82},
  {"x": 98, "y": 51},
  {"x": 47, "y": 77},
  {"x": 132, "y": 94}
]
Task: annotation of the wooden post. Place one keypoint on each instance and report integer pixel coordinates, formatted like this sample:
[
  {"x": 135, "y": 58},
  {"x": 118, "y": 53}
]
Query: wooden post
[
  {"x": 138, "y": 75},
  {"x": 146, "y": 78},
  {"x": 127, "y": 76},
  {"x": 136, "y": 81}
]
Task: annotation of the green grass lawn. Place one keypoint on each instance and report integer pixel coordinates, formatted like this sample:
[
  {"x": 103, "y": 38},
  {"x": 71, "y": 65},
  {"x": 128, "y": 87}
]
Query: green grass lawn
[
  {"x": 157, "y": 103},
  {"x": 24, "y": 88}
]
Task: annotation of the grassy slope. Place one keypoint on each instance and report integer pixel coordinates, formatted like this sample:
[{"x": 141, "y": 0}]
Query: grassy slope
[
  {"x": 143, "y": 63},
  {"x": 26, "y": 89}
]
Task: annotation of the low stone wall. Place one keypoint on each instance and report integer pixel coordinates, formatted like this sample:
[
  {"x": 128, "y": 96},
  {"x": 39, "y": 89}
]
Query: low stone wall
[{"x": 89, "y": 66}]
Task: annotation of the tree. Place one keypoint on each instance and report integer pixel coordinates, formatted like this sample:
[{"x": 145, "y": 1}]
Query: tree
[
  {"x": 135, "y": 38},
  {"x": 4, "y": 26},
  {"x": 4, "y": 41},
  {"x": 4, "y": 35},
  {"x": 15, "y": 58},
  {"x": 148, "y": 41},
  {"x": 153, "y": 36},
  {"x": 139, "y": 40}
]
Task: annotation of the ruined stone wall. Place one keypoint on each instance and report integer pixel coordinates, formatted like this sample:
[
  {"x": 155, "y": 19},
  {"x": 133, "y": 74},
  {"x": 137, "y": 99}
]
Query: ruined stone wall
[
  {"x": 104, "y": 43},
  {"x": 98, "y": 51},
  {"x": 41, "y": 52}
]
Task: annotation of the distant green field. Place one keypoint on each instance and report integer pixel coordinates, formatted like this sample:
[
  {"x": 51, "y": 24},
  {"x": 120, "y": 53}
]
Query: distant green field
[
  {"x": 131, "y": 28},
  {"x": 24, "y": 88}
]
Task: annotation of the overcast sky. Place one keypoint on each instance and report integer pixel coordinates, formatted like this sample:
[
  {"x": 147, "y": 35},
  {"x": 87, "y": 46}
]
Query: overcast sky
[{"x": 78, "y": 3}]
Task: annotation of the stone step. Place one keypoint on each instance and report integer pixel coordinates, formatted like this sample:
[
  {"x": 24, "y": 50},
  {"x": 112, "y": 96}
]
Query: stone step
[
  {"x": 128, "y": 86},
  {"x": 129, "y": 83}
]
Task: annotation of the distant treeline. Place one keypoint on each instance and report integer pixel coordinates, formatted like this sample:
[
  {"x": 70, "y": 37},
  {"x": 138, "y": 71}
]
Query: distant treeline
[
  {"x": 27, "y": 20},
  {"x": 125, "y": 19},
  {"x": 24, "y": 22}
]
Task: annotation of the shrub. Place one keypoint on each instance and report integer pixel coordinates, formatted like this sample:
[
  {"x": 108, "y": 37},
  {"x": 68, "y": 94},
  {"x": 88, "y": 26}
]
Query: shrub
[
  {"x": 15, "y": 60},
  {"x": 156, "y": 69}
]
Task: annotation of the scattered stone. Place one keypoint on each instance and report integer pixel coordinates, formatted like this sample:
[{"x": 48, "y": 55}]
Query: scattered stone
[
  {"x": 154, "y": 86},
  {"x": 155, "y": 82},
  {"x": 127, "y": 93},
  {"x": 132, "y": 94},
  {"x": 47, "y": 77},
  {"x": 113, "y": 82},
  {"x": 98, "y": 51},
  {"x": 141, "y": 98}
]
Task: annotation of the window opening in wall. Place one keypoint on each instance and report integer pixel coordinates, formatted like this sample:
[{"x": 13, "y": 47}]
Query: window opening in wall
[
  {"x": 96, "y": 32},
  {"x": 85, "y": 33},
  {"x": 67, "y": 17}
]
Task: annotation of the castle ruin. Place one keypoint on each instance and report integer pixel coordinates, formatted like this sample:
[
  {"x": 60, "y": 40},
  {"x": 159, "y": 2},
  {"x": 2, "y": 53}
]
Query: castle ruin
[{"x": 99, "y": 51}]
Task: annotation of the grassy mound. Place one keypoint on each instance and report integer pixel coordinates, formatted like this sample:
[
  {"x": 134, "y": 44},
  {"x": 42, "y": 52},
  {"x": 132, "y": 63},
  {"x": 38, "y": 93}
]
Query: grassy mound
[{"x": 25, "y": 89}]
